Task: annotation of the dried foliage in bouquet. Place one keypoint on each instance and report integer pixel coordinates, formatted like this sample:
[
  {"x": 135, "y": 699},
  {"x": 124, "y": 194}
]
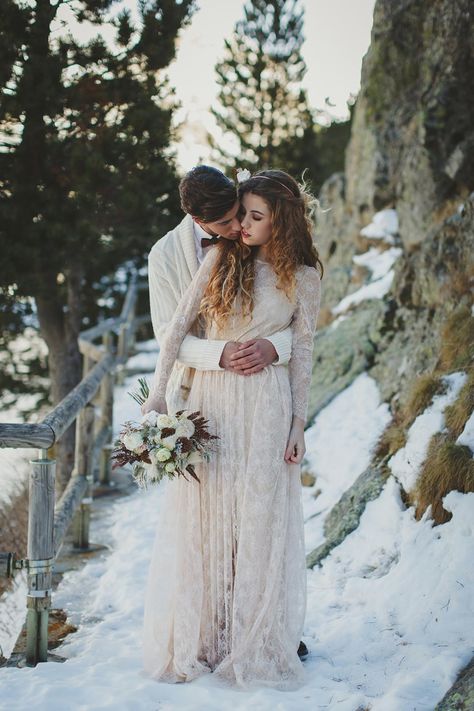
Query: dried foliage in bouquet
[{"x": 163, "y": 445}]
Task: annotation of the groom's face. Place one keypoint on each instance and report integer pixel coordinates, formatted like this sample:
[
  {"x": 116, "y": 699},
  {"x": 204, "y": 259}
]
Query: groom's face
[{"x": 228, "y": 226}]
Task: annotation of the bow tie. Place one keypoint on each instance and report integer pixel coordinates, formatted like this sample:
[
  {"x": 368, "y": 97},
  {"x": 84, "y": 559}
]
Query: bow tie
[{"x": 206, "y": 242}]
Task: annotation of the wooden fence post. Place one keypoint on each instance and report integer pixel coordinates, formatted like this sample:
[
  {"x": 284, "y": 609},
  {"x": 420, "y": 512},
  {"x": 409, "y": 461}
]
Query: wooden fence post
[
  {"x": 83, "y": 467},
  {"x": 40, "y": 554},
  {"x": 131, "y": 329},
  {"x": 122, "y": 351},
  {"x": 105, "y": 464},
  {"x": 106, "y": 413}
]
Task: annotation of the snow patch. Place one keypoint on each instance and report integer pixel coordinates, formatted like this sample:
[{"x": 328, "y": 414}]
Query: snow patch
[
  {"x": 405, "y": 464},
  {"x": 380, "y": 264},
  {"x": 338, "y": 449},
  {"x": 384, "y": 226}
]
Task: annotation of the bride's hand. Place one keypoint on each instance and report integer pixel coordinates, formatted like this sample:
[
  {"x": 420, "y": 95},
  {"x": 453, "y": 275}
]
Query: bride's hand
[
  {"x": 295, "y": 449},
  {"x": 158, "y": 404}
]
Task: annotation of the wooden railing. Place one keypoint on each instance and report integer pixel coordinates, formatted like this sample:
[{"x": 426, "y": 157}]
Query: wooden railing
[{"x": 48, "y": 522}]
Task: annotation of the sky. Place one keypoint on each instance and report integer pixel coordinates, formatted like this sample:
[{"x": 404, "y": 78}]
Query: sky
[{"x": 337, "y": 36}]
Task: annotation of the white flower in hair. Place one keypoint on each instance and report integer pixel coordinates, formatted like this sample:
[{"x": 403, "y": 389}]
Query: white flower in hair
[{"x": 243, "y": 174}]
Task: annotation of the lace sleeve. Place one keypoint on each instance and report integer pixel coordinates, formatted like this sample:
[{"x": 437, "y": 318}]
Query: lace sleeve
[
  {"x": 182, "y": 320},
  {"x": 308, "y": 295}
]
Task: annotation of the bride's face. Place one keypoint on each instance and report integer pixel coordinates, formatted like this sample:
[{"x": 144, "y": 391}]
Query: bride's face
[{"x": 255, "y": 218}]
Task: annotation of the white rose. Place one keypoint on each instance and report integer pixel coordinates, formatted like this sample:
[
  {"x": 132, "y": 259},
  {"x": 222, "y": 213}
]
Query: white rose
[
  {"x": 163, "y": 421},
  {"x": 170, "y": 467},
  {"x": 185, "y": 429},
  {"x": 160, "y": 455},
  {"x": 169, "y": 442},
  {"x": 132, "y": 441}
]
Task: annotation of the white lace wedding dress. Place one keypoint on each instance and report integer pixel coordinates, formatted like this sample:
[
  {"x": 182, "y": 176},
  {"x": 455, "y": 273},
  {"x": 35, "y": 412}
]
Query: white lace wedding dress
[{"x": 226, "y": 588}]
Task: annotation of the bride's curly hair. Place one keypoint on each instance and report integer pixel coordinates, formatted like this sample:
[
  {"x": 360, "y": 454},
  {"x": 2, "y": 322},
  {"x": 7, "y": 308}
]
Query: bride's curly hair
[{"x": 291, "y": 245}]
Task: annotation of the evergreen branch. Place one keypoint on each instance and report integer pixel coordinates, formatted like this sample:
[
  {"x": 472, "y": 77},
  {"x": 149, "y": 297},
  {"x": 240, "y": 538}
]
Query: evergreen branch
[{"x": 141, "y": 395}]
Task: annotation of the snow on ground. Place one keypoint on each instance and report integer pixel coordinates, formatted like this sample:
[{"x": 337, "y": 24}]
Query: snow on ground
[
  {"x": 147, "y": 346},
  {"x": 145, "y": 361},
  {"x": 14, "y": 466},
  {"x": 14, "y": 463},
  {"x": 405, "y": 464},
  {"x": 388, "y": 612},
  {"x": 349, "y": 426},
  {"x": 391, "y": 609},
  {"x": 12, "y": 614}
]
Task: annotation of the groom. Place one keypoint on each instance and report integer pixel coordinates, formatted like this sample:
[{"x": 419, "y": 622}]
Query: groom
[{"x": 210, "y": 202}]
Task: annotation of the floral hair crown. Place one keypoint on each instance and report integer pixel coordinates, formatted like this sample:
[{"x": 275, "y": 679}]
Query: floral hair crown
[{"x": 243, "y": 174}]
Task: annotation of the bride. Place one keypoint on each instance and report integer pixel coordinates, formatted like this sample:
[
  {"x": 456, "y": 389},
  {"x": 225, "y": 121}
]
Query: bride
[{"x": 226, "y": 589}]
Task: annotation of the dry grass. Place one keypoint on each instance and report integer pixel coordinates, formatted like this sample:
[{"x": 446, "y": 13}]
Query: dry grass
[
  {"x": 421, "y": 393},
  {"x": 460, "y": 280},
  {"x": 448, "y": 467},
  {"x": 13, "y": 539},
  {"x": 307, "y": 478},
  {"x": 457, "y": 414},
  {"x": 457, "y": 341},
  {"x": 456, "y": 353},
  {"x": 392, "y": 439}
]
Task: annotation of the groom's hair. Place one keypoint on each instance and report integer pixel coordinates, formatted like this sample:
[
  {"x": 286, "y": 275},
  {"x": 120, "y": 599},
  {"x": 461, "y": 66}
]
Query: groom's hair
[{"x": 207, "y": 193}]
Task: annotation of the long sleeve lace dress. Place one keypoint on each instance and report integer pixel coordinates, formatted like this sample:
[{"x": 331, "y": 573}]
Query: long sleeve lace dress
[{"x": 226, "y": 589}]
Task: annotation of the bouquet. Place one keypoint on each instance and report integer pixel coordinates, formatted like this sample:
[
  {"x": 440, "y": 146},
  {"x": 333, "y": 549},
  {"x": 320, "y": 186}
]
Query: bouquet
[{"x": 163, "y": 445}]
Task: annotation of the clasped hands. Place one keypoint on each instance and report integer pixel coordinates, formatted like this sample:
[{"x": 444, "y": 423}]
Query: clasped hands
[
  {"x": 249, "y": 357},
  {"x": 243, "y": 358}
]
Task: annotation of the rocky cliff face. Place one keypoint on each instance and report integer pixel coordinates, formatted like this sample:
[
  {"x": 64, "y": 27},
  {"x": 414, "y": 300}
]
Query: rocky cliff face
[
  {"x": 405, "y": 201},
  {"x": 413, "y": 139},
  {"x": 398, "y": 249}
]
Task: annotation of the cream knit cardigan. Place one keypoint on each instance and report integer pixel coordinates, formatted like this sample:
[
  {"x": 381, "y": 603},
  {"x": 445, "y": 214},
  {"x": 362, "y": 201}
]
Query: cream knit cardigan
[{"x": 172, "y": 264}]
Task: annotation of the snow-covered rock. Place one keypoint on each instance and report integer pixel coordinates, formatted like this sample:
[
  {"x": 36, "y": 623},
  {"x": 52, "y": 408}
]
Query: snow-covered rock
[{"x": 384, "y": 226}]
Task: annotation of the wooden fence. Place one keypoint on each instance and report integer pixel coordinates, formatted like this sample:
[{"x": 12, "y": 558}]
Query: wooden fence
[{"x": 48, "y": 522}]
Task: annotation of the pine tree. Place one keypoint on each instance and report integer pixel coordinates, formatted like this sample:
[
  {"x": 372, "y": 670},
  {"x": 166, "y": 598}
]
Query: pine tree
[
  {"x": 87, "y": 180},
  {"x": 263, "y": 104},
  {"x": 264, "y": 110}
]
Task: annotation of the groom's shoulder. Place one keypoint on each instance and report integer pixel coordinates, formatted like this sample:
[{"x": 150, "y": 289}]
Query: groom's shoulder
[{"x": 166, "y": 247}]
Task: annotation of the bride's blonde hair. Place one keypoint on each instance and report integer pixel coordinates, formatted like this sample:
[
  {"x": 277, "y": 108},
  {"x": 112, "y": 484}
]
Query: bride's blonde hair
[{"x": 292, "y": 209}]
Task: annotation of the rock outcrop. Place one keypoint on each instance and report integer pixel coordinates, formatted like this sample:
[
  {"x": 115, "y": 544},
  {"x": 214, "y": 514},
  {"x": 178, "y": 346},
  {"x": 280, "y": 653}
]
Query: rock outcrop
[{"x": 411, "y": 150}]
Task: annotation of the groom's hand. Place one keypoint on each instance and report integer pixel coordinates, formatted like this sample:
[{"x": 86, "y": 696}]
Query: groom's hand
[{"x": 253, "y": 356}]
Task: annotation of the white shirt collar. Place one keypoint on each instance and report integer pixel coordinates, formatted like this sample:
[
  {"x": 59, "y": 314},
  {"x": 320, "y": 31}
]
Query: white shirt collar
[{"x": 199, "y": 234}]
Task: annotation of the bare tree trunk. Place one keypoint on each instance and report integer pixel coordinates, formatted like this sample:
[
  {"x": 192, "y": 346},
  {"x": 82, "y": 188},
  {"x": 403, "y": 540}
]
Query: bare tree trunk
[{"x": 60, "y": 329}]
